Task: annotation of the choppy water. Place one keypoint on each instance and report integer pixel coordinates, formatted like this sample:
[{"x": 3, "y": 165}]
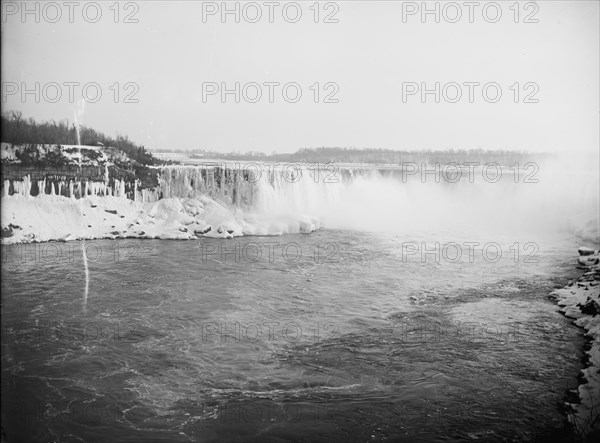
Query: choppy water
[{"x": 332, "y": 336}]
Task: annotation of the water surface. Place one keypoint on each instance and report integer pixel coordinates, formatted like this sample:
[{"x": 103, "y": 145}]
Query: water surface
[{"x": 332, "y": 336}]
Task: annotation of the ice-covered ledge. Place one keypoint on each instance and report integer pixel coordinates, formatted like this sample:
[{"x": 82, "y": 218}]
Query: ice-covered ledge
[
  {"x": 580, "y": 300},
  {"x": 53, "y": 217}
]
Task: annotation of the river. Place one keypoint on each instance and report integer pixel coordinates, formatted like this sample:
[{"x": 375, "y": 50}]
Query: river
[{"x": 337, "y": 335}]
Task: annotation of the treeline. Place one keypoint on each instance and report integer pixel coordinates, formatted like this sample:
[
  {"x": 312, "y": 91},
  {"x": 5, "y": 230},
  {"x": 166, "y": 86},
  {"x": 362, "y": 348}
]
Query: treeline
[
  {"x": 374, "y": 156},
  {"x": 397, "y": 157},
  {"x": 20, "y": 131}
]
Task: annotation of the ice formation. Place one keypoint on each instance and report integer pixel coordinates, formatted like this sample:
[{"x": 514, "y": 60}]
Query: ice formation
[
  {"x": 580, "y": 300},
  {"x": 190, "y": 201},
  {"x": 231, "y": 199}
]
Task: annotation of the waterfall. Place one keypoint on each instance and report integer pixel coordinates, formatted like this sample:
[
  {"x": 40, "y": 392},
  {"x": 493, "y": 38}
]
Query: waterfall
[
  {"x": 398, "y": 199},
  {"x": 226, "y": 183},
  {"x": 272, "y": 189},
  {"x": 385, "y": 198}
]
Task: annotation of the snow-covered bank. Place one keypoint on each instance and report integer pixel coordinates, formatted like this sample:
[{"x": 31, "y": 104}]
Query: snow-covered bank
[
  {"x": 580, "y": 300},
  {"x": 51, "y": 217}
]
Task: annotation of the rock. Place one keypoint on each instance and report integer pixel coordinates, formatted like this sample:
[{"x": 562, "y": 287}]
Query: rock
[
  {"x": 200, "y": 232},
  {"x": 584, "y": 250},
  {"x": 7, "y": 232},
  {"x": 591, "y": 307},
  {"x": 589, "y": 260}
]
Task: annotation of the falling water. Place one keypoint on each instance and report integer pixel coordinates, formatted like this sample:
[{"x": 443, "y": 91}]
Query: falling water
[{"x": 563, "y": 197}]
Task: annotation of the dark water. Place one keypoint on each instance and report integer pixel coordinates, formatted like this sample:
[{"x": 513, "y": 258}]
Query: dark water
[{"x": 333, "y": 336}]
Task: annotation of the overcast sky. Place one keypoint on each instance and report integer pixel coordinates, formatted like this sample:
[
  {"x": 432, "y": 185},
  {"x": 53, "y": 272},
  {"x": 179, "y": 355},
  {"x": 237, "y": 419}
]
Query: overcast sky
[{"x": 369, "y": 57}]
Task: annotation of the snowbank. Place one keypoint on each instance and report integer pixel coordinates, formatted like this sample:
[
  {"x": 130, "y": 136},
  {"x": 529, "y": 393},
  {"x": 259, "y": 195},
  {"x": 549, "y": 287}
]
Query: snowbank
[
  {"x": 51, "y": 217},
  {"x": 580, "y": 300}
]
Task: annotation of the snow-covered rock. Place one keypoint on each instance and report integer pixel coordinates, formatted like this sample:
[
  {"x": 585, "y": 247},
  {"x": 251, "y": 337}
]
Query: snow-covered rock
[
  {"x": 580, "y": 300},
  {"x": 53, "y": 217}
]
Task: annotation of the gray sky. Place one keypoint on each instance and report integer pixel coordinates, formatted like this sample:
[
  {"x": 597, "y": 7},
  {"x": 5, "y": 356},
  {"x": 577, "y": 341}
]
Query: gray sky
[{"x": 369, "y": 53}]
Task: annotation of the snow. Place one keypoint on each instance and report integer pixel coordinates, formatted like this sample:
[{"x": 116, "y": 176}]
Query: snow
[
  {"x": 53, "y": 217},
  {"x": 74, "y": 154},
  {"x": 580, "y": 300},
  {"x": 8, "y": 151}
]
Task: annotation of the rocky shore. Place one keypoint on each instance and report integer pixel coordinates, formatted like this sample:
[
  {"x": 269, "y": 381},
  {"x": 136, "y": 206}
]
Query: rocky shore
[{"x": 580, "y": 300}]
